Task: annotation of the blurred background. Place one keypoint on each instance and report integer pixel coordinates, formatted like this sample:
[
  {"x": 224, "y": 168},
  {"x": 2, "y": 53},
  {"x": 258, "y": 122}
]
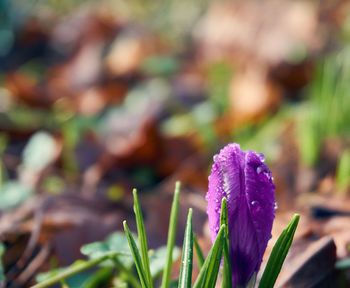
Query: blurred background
[{"x": 99, "y": 97}]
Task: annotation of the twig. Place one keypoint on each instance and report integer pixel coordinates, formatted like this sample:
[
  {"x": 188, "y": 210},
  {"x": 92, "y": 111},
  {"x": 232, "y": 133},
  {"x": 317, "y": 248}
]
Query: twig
[{"x": 35, "y": 264}]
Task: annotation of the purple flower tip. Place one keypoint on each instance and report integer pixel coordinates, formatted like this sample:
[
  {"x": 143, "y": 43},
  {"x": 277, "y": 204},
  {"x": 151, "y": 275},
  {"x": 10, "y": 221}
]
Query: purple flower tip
[{"x": 246, "y": 182}]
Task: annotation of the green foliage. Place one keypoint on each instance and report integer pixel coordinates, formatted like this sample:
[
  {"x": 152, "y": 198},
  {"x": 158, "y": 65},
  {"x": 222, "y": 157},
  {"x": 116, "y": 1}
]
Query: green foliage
[
  {"x": 160, "y": 65},
  {"x": 2, "y": 275},
  {"x": 53, "y": 185},
  {"x": 226, "y": 275},
  {"x": 158, "y": 259},
  {"x": 343, "y": 170},
  {"x": 114, "y": 243},
  {"x": 343, "y": 264},
  {"x": 265, "y": 135},
  {"x": 39, "y": 151},
  {"x": 99, "y": 278},
  {"x": 121, "y": 251},
  {"x": 12, "y": 194},
  {"x": 142, "y": 239},
  {"x": 58, "y": 275},
  {"x": 3, "y": 145},
  {"x": 136, "y": 255},
  {"x": 327, "y": 112},
  {"x": 209, "y": 272},
  {"x": 25, "y": 119},
  {"x": 37, "y": 155},
  {"x": 210, "y": 268},
  {"x": 278, "y": 254},
  {"x": 171, "y": 236},
  {"x": 219, "y": 77},
  {"x": 185, "y": 278},
  {"x": 112, "y": 252},
  {"x": 199, "y": 252}
]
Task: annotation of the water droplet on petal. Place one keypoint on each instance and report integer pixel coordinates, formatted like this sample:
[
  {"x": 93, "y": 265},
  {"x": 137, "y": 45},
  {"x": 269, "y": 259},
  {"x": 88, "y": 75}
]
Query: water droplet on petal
[
  {"x": 261, "y": 157},
  {"x": 254, "y": 203},
  {"x": 215, "y": 157},
  {"x": 276, "y": 206},
  {"x": 259, "y": 169}
]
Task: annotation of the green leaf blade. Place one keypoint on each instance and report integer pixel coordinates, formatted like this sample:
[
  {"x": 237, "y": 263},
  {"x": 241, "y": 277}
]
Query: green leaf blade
[
  {"x": 209, "y": 272},
  {"x": 199, "y": 252},
  {"x": 278, "y": 254},
  {"x": 136, "y": 255},
  {"x": 185, "y": 279},
  {"x": 171, "y": 236},
  {"x": 227, "y": 273},
  {"x": 142, "y": 240}
]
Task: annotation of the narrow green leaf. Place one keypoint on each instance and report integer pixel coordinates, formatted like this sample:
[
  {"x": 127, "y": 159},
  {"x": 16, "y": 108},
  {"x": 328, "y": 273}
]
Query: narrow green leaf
[
  {"x": 278, "y": 254},
  {"x": 2, "y": 274},
  {"x": 142, "y": 240},
  {"x": 171, "y": 236},
  {"x": 187, "y": 255},
  {"x": 227, "y": 273},
  {"x": 136, "y": 254},
  {"x": 199, "y": 252},
  {"x": 223, "y": 214},
  {"x": 209, "y": 272}
]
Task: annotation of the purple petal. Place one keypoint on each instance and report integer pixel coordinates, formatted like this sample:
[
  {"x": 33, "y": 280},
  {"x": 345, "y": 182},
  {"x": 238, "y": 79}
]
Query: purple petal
[{"x": 246, "y": 182}]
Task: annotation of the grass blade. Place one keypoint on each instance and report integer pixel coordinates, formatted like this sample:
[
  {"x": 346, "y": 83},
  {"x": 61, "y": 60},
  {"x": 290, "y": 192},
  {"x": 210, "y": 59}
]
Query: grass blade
[
  {"x": 199, "y": 252},
  {"x": 143, "y": 240},
  {"x": 278, "y": 254},
  {"x": 227, "y": 273},
  {"x": 171, "y": 236},
  {"x": 209, "y": 272},
  {"x": 187, "y": 255},
  {"x": 136, "y": 255}
]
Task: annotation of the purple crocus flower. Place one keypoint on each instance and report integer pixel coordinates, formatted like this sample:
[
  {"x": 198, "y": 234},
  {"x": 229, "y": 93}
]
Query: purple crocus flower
[{"x": 246, "y": 182}]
